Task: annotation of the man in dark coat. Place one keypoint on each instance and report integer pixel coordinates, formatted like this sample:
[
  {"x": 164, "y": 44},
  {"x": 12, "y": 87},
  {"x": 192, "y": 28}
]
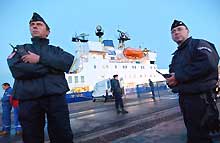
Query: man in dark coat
[
  {"x": 40, "y": 86},
  {"x": 117, "y": 93},
  {"x": 194, "y": 70},
  {"x": 152, "y": 89}
]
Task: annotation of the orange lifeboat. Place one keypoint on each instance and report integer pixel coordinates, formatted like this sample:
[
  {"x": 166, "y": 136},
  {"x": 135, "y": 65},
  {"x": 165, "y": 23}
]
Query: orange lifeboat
[{"x": 132, "y": 53}]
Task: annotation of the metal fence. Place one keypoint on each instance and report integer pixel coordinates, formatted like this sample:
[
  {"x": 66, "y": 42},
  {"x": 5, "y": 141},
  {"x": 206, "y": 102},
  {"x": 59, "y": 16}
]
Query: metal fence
[{"x": 159, "y": 88}]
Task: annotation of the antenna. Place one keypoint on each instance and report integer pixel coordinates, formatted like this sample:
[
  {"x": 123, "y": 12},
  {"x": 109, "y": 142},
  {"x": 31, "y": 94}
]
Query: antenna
[{"x": 123, "y": 36}]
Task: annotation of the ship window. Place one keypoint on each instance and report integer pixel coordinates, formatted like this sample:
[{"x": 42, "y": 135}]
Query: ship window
[
  {"x": 94, "y": 66},
  {"x": 141, "y": 75},
  {"x": 82, "y": 79},
  {"x": 76, "y": 79},
  {"x": 112, "y": 58},
  {"x": 110, "y": 52},
  {"x": 106, "y": 66},
  {"x": 152, "y": 62},
  {"x": 70, "y": 80},
  {"x": 115, "y": 66}
]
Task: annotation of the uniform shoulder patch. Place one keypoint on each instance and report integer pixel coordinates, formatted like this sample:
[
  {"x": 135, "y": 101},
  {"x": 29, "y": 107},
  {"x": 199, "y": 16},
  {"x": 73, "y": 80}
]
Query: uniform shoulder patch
[{"x": 205, "y": 48}]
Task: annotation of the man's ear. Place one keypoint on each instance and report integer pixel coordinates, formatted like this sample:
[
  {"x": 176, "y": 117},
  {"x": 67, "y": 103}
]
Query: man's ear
[{"x": 48, "y": 32}]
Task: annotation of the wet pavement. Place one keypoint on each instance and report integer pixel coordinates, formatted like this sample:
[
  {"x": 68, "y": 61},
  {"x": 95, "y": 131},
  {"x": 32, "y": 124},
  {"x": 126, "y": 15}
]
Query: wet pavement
[
  {"x": 172, "y": 131},
  {"x": 147, "y": 121}
]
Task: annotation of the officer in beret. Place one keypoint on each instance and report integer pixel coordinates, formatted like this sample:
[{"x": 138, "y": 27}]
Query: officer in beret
[
  {"x": 40, "y": 85},
  {"x": 117, "y": 93},
  {"x": 194, "y": 70}
]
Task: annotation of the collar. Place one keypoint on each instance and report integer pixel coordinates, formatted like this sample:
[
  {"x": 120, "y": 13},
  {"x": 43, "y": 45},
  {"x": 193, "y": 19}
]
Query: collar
[
  {"x": 9, "y": 88},
  {"x": 39, "y": 41},
  {"x": 183, "y": 45}
]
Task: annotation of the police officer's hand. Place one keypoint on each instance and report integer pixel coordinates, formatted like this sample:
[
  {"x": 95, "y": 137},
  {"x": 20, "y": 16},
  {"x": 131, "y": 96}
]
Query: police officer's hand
[
  {"x": 171, "y": 81},
  {"x": 31, "y": 58}
]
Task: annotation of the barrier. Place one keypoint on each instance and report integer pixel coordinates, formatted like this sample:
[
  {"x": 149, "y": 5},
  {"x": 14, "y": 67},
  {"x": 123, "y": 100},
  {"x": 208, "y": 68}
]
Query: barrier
[{"x": 157, "y": 87}]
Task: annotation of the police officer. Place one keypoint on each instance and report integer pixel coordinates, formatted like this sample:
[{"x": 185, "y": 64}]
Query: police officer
[
  {"x": 194, "y": 70},
  {"x": 152, "y": 89},
  {"x": 40, "y": 86},
  {"x": 117, "y": 93},
  {"x": 6, "y": 110}
]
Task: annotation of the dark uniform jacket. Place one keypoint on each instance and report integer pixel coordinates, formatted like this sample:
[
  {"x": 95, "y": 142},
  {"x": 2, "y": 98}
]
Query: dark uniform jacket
[
  {"x": 44, "y": 78},
  {"x": 115, "y": 87},
  {"x": 195, "y": 64}
]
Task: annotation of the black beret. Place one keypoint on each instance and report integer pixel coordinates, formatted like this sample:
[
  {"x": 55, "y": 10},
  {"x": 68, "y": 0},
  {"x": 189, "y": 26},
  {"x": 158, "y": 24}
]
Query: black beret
[
  {"x": 177, "y": 23},
  {"x": 37, "y": 17}
]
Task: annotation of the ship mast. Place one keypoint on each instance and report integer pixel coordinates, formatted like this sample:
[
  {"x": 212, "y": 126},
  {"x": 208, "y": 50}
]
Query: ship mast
[
  {"x": 99, "y": 32},
  {"x": 81, "y": 50},
  {"x": 122, "y": 38}
]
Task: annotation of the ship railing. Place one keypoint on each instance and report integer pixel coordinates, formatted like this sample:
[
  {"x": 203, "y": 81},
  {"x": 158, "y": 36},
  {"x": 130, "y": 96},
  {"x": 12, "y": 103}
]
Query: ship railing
[{"x": 159, "y": 88}]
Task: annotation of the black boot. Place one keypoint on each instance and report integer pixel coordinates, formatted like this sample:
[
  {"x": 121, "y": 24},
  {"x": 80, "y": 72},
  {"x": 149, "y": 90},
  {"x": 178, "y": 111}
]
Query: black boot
[
  {"x": 118, "y": 111},
  {"x": 124, "y": 111}
]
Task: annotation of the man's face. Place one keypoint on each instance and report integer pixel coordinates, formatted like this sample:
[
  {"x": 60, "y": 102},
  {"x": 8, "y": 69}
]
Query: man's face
[
  {"x": 4, "y": 87},
  {"x": 179, "y": 34},
  {"x": 38, "y": 29}
]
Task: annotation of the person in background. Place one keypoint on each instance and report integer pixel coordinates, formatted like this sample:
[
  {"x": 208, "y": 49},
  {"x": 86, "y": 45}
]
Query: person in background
[
  {"x": 152, "y": 88},
  {"x": 117, "y": 93},
  {"x": 14, "y": 103},
  {"x": 194, "y": 70},
  {"x": 40, "y": 86},
  {"x": 6, "y": 110}
]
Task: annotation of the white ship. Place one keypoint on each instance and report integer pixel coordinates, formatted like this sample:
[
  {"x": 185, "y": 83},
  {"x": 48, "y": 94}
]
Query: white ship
[{"x": 96, "y": 61}]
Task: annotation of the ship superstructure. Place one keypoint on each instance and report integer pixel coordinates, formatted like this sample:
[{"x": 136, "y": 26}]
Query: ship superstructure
[{"x": 96, "y": 61}]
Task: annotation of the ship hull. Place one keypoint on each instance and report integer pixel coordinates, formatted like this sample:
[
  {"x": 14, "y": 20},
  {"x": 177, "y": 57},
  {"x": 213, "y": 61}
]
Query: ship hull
[{"x": 139, "y": 89}]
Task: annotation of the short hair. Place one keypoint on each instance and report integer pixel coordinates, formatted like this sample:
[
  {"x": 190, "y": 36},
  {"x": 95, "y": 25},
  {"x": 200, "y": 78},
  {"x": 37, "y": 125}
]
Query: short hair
[
  {"x": 6, "y": 84},
  {"x": 114, "y": 76}
]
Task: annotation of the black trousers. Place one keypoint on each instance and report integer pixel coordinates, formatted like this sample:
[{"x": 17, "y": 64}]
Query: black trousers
[
  {"x": 118, "y": 101},
  {"x": 193, "y": 108},
  {"x": 32, "y": 117}
]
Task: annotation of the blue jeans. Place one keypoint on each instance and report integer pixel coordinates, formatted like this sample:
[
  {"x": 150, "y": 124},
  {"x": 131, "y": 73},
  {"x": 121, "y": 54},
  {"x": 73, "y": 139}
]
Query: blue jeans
[
  {"x": 16, "y": 120},
  {"x": 6, "y": 116}
]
